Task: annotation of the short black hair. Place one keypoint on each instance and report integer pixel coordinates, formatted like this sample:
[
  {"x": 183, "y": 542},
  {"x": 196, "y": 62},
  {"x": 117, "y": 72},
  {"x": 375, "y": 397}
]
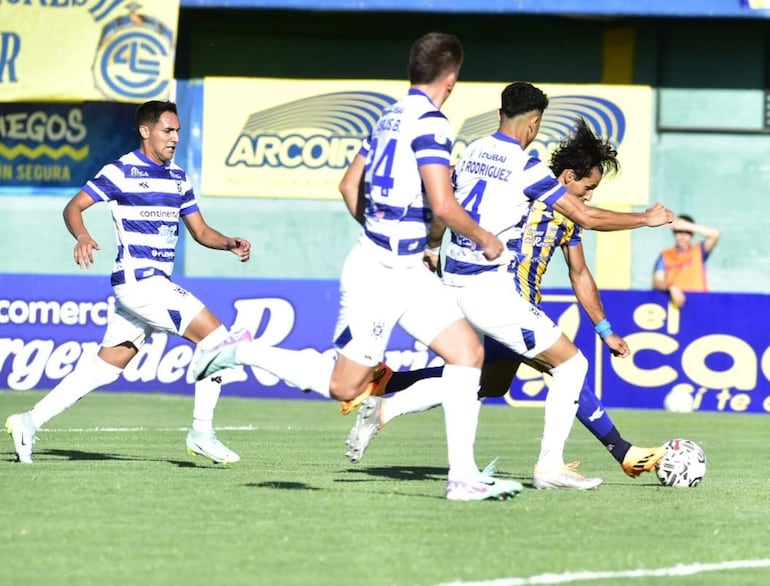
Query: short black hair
[
  {"x": 521, "y": 97},
  {"x": 150, "y": 112}
]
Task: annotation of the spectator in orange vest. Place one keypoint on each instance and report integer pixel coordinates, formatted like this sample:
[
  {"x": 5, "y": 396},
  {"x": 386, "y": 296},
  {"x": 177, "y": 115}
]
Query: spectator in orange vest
[{"x": 682, "y": 267}]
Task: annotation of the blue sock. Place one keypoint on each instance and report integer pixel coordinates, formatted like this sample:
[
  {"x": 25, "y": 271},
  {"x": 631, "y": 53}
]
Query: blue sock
[
  {"x": 594, "y": 417},
  {"x": 403, "y": 379}
]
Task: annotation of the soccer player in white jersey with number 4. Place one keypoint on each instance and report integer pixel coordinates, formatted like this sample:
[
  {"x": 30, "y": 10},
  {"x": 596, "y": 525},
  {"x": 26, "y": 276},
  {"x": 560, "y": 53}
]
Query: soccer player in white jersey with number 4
[
  {"x": 496, "y": 180},
  {"x": 148, "y": 195},
  {"x": 397, "y": 184}
]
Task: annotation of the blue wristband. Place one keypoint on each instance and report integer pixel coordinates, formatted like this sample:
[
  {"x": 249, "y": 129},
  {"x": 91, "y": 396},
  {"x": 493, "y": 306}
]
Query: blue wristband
[{"x": 603, "y": 328}]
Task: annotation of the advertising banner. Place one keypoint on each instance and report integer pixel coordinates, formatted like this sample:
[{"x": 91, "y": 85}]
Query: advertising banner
[
  {"x": 712, "y": 351},
  {"x": 61, "y": 145},
  {"x": 282, "y": 138},
  {"x": 81, "y": 50}
]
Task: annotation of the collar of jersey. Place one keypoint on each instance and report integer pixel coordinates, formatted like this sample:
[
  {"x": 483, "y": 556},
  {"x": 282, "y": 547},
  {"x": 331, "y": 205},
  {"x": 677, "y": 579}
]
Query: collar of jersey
[
  {"x": 140, "y": 155},
  {"x": 416, "y": 92},
  {"x": 504, "y": 137}
]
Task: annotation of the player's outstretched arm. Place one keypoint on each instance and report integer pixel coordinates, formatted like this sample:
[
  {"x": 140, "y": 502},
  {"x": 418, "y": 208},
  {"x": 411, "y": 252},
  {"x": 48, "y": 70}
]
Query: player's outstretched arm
[
  {"x": 593, "y": 218},
  {"x": 207, "y": 236}
]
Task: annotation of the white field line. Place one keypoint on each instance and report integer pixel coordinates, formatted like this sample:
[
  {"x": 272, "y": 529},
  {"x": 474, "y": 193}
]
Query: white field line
[
  {"x": 568, "y": 577},
  {"x": 135, "y": 429}
]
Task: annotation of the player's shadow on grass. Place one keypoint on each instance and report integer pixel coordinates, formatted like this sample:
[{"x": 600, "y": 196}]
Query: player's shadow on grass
[
  {"x": 79, "y": 455},
  {"x": 418, "y": 473},
  {"x": 281, "y": 485},
  {"x": 398, "y": 473}
]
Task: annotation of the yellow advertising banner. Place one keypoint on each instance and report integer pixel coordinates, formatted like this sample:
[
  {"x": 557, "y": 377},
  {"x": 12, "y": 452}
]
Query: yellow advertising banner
[
  {"x": 281, "y": 138},
  {"x": 81, "y": 50}
]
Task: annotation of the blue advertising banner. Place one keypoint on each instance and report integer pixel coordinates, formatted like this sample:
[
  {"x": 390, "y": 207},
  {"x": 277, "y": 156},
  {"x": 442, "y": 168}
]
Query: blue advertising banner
[
  {"x": 61, "y": 145},
  {"x": 716, "y": 351}
]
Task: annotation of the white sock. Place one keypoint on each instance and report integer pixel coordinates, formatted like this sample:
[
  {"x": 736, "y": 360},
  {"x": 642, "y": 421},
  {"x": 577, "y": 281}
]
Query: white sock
[
  {"x": 213, "y": 340},
  {"x": 308, "y": 370},
  {"x": 461, "y": 415},
  {"x": 421, "y": 396},
  {"x": 86, "y": 377},
  {"x": 561, "y": 404},
  {"x": 206, "y": 397}
]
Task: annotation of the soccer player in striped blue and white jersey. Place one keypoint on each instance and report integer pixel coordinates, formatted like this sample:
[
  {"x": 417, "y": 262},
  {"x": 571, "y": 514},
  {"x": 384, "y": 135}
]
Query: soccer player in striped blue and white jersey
[
  {"x": 397, "y": 184},
  {"x": 148, "y": 195},
  {"x": 497, "y": 182}
]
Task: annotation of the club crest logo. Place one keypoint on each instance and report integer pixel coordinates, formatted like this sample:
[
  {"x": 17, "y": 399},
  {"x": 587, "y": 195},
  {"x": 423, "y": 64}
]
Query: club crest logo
[{"x": 135, "y": 58}]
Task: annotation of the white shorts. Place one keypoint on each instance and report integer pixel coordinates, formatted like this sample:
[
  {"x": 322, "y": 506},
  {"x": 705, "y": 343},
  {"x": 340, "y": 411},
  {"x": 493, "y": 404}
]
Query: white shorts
[
  {"x": 495, "y": 308},
  {"x": 374, "y": 298},
  {"x": 151, "y": 304}
]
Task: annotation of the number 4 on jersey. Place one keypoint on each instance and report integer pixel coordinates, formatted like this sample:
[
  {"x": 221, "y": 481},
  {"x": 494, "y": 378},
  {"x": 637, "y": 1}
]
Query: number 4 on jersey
[
  {"x": 472, "y": 202},
  {"x": 382, "y": 173}
]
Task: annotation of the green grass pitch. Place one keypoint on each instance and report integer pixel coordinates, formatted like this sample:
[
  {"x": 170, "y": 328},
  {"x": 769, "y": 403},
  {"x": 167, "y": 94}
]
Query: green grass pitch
[{"x": 113, "y": 499}]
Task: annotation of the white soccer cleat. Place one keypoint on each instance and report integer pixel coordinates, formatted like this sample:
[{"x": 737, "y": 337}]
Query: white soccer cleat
[
  {"x": 205, "y": 443},
  {"x": 220, "y": 357},
  {"x": 565, "y": 477},
  {"x": 482, "y": 487},
  {"x": 22, "y": 431},
  {"x": 368, "y": 424}
]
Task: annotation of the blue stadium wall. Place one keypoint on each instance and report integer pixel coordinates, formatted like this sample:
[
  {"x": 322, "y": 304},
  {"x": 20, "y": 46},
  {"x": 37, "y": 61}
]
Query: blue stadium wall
[{"x": 708, "y": 64}]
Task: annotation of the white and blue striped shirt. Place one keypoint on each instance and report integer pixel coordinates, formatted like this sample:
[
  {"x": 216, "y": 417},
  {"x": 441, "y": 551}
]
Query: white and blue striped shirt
[
  {"x": 495, "y": 182},
  {"x": 410, "y": 133},
  {"x": 147, "y": 201}
]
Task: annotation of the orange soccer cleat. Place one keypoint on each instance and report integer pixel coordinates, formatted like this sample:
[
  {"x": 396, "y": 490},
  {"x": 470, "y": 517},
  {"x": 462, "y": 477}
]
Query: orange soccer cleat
[{"x": 376, "y": 388}]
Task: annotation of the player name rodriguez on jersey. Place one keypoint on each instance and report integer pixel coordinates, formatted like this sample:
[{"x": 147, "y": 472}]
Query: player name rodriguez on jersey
[
  {"x": 146, "y": 201},
  {"x": 487, "y": 169},
  {"x": 495, "y": 182}
]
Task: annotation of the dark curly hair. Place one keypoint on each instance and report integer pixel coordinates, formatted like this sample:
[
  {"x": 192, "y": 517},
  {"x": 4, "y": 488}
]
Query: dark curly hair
[{"x": 583, "y": 151}]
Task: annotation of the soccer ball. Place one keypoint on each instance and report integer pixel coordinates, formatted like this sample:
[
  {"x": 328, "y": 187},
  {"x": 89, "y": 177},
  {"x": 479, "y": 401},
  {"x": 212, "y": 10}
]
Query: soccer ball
[{"x": 684, "y": 464}]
